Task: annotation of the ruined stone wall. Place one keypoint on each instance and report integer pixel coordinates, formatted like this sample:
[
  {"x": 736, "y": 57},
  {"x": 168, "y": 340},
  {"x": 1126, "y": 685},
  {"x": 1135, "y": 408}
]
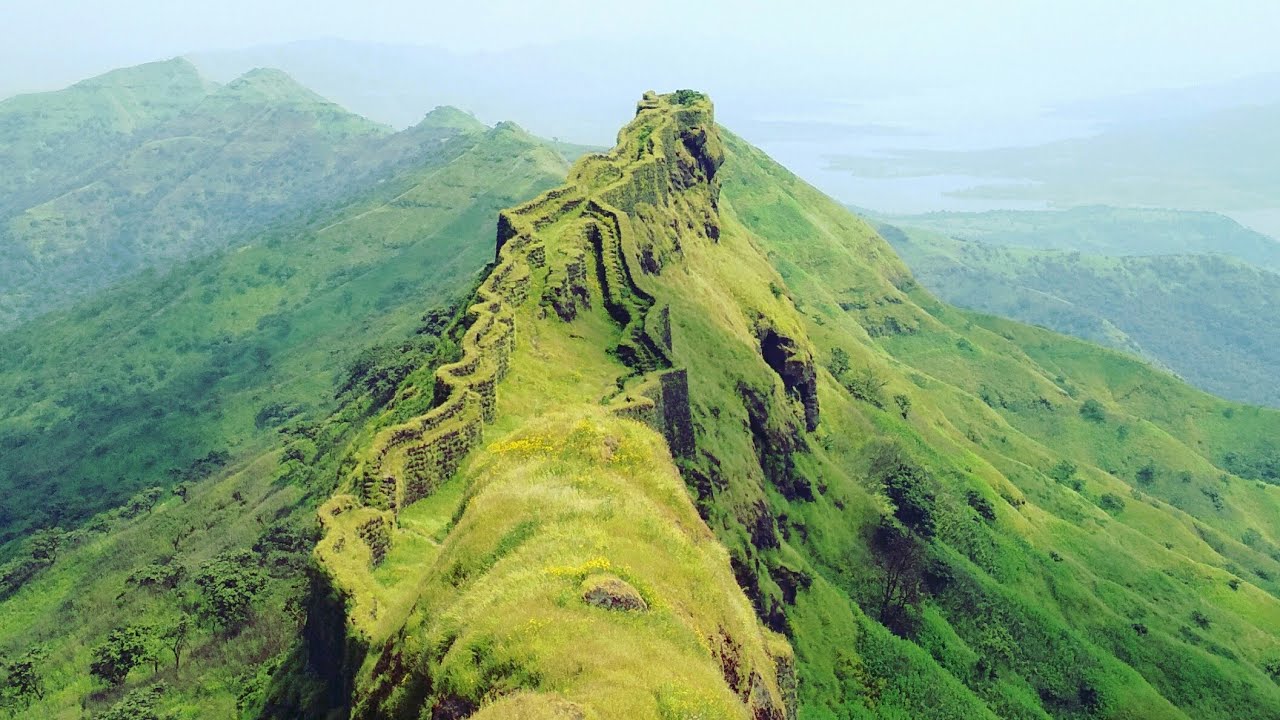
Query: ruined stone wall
[
  {"x": 664, "y": 166},
  {"x": 407, "y": 462}
]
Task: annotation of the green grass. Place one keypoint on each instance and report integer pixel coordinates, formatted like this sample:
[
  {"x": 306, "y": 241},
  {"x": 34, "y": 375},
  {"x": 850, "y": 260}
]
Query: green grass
[
  {"x": 240, "y": 352},
  {"x": 995, "y": 405},
  {"x": 1031, "y": 589}
]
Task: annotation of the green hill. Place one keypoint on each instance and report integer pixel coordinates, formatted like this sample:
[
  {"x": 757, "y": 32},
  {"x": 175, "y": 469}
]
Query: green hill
[
  {"x": 173, "y": 181},
  {"x": 698, "y": 446},
  {"x": 1168, "y": 286},
  {"x": 49, "y": 140},
  {"x": 210, "y": 357}
]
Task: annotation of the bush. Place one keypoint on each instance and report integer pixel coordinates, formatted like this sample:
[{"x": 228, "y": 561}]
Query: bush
[
  {"x": 1147, "y": 473},
  {"x": 1063, "y": 471},
  {"x": 839, "y": 364},
  {"x": 687, "y": 97},
  {"x": 1215, "y": 497},
  {"x": 981, "y": 505},
  {"x": 1093, "y": 411},
  {"x": 904, "y": 404},
  {"x": 141, "y": 704},
  {"x": 228, "y": 586},
  {"x": 1113, "y": 504},
  {"x": 124, "y": 649}
]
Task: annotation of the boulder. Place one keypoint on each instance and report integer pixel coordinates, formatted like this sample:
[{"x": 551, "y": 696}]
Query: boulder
[{"x": 612, "y": 593}]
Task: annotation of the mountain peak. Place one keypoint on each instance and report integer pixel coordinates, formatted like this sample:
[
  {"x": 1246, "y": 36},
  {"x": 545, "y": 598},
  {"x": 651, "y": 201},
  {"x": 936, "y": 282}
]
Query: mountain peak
[
  {"x": 271, "y": 85},
  {"x": 177, "y": 72},
  {"x": 447, "y": 116}
]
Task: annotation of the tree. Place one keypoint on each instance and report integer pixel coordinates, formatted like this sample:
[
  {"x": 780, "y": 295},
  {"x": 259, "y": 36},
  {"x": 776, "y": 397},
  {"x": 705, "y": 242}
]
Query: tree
[
  {"x": 865, "y": 385},
  {"x": 900, "y": 555},
  {"x": 157, "y": 575},
  {"x": 23, "y": 680},
  {"x": 143, "y": 502},
  {"x": 907, "y": 486},
  {"x": 176, "y": 638},
  {"x": 182, "y": 490},
  {"x": 228, "y": 586},
  {"x": 46, "y": 543},
  {"x": 839, "y": 364},
  {"x": 124, "y": 649},
  {"x": 904, "y": 404}
]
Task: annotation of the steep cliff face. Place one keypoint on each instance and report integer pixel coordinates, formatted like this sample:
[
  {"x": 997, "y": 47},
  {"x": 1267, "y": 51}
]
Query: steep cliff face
[{"x": 528, "y": 545}]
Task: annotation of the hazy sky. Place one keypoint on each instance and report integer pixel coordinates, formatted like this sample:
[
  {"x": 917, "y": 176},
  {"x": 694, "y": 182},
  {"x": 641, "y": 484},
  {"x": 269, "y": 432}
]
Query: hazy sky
[
  {"x": 806, "y": 80},
  {"x": 1044, "y": 48}
]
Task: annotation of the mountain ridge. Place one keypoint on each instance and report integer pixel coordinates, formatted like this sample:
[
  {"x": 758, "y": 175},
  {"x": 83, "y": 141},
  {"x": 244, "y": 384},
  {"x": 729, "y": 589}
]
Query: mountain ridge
[{"x": 665, "y": 159}]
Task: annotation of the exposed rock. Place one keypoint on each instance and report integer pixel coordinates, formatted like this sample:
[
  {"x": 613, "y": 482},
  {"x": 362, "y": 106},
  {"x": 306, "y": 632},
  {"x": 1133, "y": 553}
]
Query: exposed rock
[
  {"x": 612, "y": 593},
  {"x": 531, "y": 706},
  {"x": 776, "y": 441},
  {"x": 795, "y": 368}
]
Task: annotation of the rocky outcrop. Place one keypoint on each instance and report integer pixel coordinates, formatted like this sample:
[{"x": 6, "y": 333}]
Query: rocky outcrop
[{"x": 794, "y": 367}]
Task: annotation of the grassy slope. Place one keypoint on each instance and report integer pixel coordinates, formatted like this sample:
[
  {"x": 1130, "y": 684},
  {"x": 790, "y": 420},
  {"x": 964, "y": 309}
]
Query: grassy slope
[
  {"x": 561, "y": 494},
  {"x": 1117, "y": 592},
  {"x": 1050, "y": 587},
  {"x": 1195, "y": 314},
  {"x": 47, "y": 140},
  {"x": 183, "y": 363}
]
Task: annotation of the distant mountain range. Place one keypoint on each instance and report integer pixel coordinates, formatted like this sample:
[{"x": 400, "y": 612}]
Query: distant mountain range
[{"x": 143, "y": 167}]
